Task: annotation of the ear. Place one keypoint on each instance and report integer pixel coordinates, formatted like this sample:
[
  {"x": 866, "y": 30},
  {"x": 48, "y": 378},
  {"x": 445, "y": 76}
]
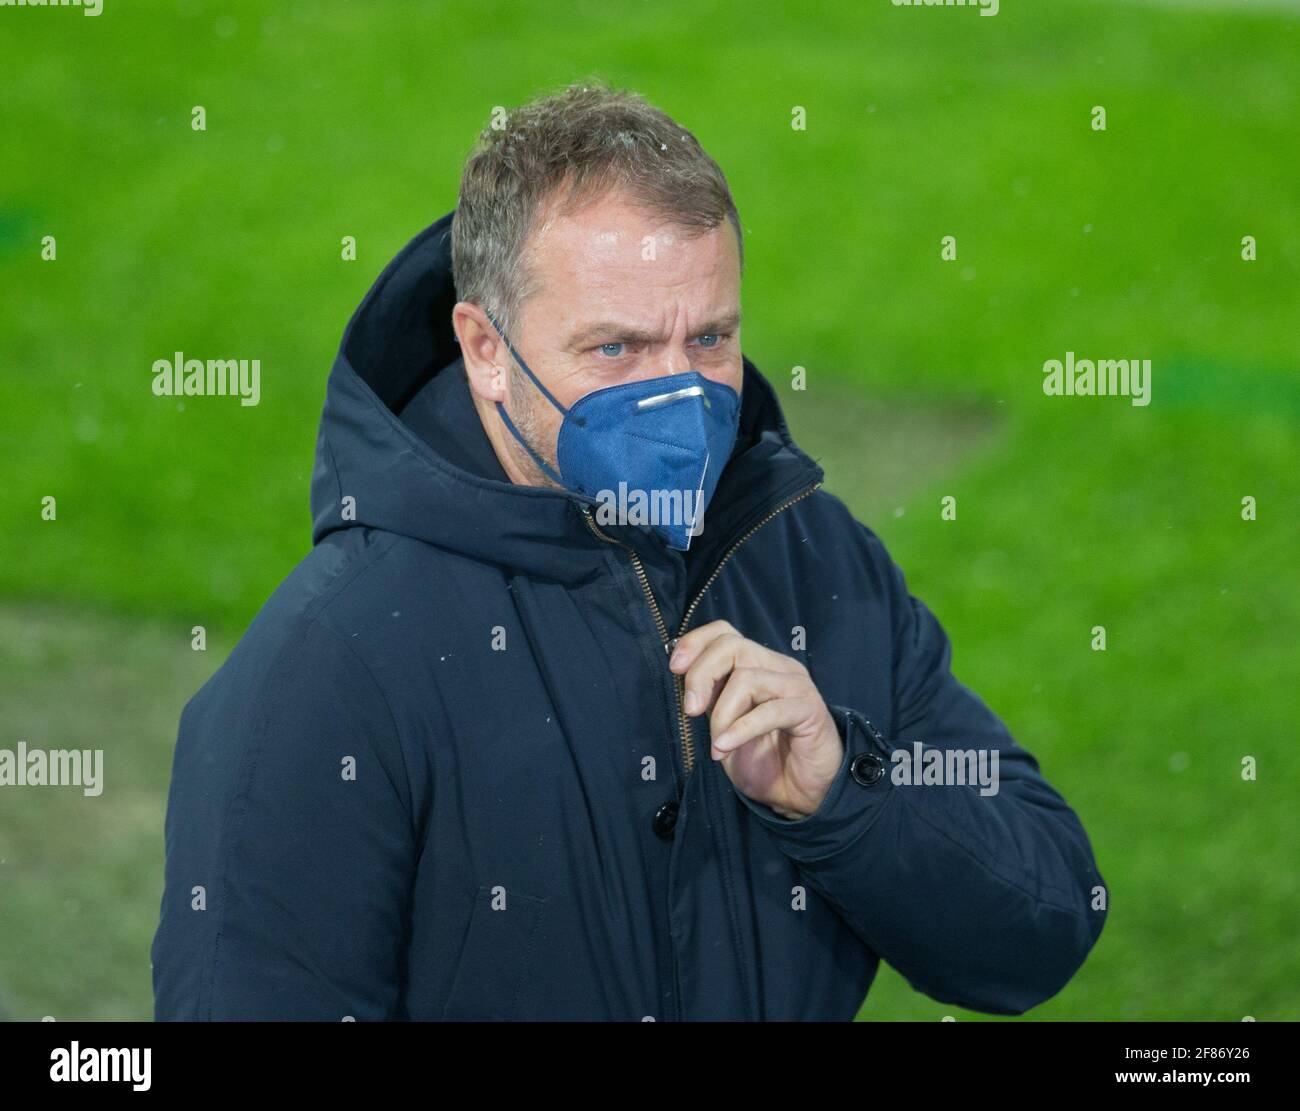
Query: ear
[{"x": 483, "y": 350}]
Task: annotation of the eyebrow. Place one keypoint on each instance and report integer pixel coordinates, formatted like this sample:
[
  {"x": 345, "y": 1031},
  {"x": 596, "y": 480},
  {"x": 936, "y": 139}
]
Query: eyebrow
[{"x": 627, "y": 333}]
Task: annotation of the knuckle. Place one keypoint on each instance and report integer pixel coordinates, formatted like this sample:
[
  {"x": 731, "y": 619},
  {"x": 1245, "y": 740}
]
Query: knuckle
[{"x": 794, "y": 667}]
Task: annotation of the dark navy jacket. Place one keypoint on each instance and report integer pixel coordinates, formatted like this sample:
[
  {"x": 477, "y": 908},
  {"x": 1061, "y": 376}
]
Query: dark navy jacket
[{"x": 436, "y": 779}]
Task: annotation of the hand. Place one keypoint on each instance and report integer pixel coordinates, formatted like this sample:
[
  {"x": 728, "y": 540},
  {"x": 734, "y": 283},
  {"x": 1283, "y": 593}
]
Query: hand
[{"x": 773, "y": 733}]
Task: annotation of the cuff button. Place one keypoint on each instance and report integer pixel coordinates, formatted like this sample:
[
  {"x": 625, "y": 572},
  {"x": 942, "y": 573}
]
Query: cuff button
[{"x": 867, "y": 769}]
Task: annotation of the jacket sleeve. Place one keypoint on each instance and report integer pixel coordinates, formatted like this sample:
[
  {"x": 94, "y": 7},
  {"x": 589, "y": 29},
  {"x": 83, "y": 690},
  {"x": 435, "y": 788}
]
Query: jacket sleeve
[
  {"x": 989, "y": 901},
  {"x": 289, "y": 843}
]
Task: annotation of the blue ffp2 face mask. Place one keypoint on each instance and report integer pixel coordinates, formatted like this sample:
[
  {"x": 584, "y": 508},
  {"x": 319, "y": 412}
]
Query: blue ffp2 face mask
[{"x": 652, "y": 450}]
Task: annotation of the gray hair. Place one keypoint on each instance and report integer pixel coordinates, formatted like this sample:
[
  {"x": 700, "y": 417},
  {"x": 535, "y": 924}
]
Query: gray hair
[{"x": 586, "y": 139}]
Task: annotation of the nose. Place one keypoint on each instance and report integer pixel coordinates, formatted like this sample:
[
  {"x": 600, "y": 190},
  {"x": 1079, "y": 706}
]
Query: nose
[{"x": 676, "y": 359}]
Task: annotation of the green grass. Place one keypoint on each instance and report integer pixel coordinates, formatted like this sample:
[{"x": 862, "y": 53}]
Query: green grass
[{"x": 337, "y": 119}]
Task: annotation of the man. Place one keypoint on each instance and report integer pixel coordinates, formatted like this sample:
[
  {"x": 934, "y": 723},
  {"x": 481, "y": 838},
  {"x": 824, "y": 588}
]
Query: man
[{"x": 512, "y": 744}]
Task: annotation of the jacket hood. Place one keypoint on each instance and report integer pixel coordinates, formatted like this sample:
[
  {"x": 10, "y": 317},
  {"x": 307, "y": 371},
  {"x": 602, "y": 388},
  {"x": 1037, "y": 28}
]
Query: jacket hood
[{"x": 374, "y": 471}]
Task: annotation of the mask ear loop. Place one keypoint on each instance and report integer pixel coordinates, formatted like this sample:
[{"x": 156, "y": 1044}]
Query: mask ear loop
[
  {"x": 580, "y": 421},
  {"x": 547, "y": 469}
]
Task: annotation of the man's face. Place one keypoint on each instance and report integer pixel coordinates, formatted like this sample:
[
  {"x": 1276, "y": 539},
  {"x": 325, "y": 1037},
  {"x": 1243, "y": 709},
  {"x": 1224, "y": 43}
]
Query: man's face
[{"x": 621, "y": 297}]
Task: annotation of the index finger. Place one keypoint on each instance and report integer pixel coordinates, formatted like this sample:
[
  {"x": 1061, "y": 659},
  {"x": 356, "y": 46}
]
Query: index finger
[{"x": 687, "y": 648}]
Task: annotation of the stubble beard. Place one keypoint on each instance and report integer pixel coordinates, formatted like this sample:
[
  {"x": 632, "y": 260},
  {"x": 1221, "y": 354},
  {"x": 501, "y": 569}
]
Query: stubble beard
[{"x": 528, "y": 422}]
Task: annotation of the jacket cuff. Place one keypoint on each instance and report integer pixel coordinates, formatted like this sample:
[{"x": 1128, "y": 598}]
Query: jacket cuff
[{"x": 856, "y": 796}]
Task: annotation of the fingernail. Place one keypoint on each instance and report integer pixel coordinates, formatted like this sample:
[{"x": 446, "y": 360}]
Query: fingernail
[
  {"x": 692, "y": 702},
  {"x": 722, "y": 740}
]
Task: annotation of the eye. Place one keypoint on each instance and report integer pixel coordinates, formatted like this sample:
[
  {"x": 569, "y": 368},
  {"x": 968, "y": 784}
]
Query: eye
[
  {"x": 712, "y": 340},
  {"x": 604, "y": 349}
]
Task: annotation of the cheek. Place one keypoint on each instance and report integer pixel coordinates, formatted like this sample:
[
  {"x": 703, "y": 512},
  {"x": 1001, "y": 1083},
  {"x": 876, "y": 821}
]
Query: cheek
[
  {"x": 544, "y": 419},
  {"x": 575, "y": 381},
  {"x": 732, "y": 374}
]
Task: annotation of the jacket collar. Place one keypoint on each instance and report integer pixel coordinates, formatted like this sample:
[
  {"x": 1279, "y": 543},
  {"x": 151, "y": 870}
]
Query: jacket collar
[{"x": 374, "y": 470}]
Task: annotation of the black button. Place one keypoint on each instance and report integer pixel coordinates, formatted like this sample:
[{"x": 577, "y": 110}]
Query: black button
[
  {"x": 867, "y": 769},
  {"x": 665, "y": 821}
]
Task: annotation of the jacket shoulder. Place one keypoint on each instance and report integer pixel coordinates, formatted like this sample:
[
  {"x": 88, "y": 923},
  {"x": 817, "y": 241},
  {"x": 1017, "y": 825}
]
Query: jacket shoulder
[
  {"x": 844, "y": 545},
  {"x": 295, "y": 661}
]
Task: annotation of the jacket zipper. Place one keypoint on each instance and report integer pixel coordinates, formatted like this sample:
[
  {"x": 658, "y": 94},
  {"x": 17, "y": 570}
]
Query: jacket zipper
[{"x": 684, "y": 722}]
